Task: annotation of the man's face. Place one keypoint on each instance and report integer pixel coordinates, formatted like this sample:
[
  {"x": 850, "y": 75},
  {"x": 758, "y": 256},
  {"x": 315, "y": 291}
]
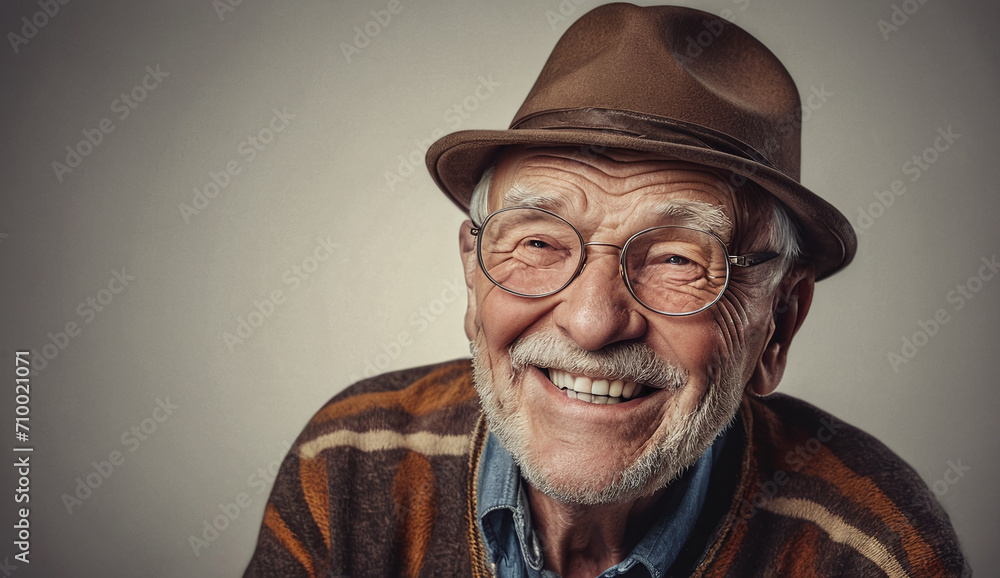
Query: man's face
[{"x": 583, "y": 452}]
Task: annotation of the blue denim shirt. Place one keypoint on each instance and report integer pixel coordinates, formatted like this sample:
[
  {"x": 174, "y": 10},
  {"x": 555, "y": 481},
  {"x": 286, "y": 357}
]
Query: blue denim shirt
[{"x": 514, "y": 549}]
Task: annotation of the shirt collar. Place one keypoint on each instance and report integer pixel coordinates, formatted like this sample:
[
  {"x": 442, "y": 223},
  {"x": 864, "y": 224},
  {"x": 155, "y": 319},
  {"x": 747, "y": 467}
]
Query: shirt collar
[
  {"x": 502, "y": 506},
  {"x": 505, "y": 517}
]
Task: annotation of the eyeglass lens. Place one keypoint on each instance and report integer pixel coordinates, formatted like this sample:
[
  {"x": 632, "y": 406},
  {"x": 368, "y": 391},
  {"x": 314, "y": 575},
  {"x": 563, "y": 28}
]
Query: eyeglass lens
[{"x": 673, "y": 270}]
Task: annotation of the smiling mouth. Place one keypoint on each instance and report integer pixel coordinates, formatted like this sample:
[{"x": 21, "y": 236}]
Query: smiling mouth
[{"x": 598, "y": 391}]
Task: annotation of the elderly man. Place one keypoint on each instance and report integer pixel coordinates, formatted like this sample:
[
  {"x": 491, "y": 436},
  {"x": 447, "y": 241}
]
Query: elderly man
[{"x": 639, "y": 257}]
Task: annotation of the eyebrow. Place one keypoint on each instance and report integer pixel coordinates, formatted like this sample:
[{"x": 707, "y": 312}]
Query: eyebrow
[
  {"x": 697, "y": 215},
  {"x": 520, "y": 197}
]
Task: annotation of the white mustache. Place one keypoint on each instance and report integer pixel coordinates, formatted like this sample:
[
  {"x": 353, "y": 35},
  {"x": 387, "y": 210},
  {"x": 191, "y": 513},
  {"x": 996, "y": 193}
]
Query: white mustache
[{"x": 630, "y": 361}]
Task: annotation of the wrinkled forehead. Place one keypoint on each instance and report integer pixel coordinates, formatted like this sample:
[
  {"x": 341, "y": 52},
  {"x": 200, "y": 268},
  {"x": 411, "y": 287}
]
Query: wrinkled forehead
[
  {"x": 600, "y": 165},
  {"x": 560, "y": 178}
]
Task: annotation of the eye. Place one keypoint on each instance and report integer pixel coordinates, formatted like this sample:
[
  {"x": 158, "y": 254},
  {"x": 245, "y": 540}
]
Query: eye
[
  {"x": 537, "y": 244},
  {"x": 676, "y": 260}
]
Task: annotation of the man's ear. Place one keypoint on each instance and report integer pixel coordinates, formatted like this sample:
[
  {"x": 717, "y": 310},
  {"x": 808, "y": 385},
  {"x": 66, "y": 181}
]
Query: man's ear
[
  {"x": 790, "y": 306},
  {"x": 470, "y": 265}
]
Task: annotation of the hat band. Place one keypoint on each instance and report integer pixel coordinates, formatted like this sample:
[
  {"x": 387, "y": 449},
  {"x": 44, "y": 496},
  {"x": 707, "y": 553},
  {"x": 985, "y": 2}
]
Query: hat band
[{"x": 642, "y": 126}]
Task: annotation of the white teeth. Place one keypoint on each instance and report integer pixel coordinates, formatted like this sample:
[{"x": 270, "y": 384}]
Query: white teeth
[
  {"x": 567, "y": 380},
  {"x": 599, "y": 391},
  {"x": 556, "y": 378}
]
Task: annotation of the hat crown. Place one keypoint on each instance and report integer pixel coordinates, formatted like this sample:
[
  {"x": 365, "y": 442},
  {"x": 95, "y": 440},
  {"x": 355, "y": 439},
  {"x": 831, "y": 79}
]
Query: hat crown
[
  {"x": 675, "y": 64},
  {"x": 676, "y": 82}
]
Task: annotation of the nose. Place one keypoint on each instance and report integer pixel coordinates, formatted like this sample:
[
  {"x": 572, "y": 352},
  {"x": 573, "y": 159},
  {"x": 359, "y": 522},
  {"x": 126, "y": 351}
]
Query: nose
[{"x": 596, "y": 309}]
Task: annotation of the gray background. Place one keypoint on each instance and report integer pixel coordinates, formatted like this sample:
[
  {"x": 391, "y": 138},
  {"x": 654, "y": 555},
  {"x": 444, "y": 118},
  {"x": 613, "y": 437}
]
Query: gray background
[{"x": 395, "y": 253}]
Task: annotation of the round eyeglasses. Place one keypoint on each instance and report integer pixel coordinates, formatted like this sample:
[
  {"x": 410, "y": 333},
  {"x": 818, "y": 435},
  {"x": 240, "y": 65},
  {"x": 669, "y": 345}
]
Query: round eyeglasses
[{"x": 671, "y": 270}]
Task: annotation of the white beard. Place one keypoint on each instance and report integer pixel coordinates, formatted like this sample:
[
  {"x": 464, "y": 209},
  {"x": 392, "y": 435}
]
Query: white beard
[{"x": 680, "y": 445}]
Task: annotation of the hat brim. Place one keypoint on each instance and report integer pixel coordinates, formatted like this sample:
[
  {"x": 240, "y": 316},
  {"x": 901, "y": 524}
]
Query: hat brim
[{"x": 457, "y": 161}]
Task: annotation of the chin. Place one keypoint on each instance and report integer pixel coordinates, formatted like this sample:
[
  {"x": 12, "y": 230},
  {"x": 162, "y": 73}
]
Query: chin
[{"x": 675, "y": 446}]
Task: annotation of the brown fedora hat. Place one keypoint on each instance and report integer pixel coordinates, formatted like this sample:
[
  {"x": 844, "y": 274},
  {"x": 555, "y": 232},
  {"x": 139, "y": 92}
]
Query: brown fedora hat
[{"x": 668, "y": 80}]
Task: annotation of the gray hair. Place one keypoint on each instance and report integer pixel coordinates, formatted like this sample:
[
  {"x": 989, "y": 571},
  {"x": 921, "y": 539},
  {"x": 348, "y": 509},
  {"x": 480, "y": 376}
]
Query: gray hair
[
  {"x": 780, "y": 233},
  {"x": 478, "y": 205}
]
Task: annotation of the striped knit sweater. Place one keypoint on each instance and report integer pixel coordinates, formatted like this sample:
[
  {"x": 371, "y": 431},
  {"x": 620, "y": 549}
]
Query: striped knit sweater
[{"x": 382, "y": 483}]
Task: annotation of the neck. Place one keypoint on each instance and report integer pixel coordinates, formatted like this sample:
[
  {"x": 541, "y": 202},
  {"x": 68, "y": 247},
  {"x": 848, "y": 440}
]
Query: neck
[{"x": 587, "y": 540}]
